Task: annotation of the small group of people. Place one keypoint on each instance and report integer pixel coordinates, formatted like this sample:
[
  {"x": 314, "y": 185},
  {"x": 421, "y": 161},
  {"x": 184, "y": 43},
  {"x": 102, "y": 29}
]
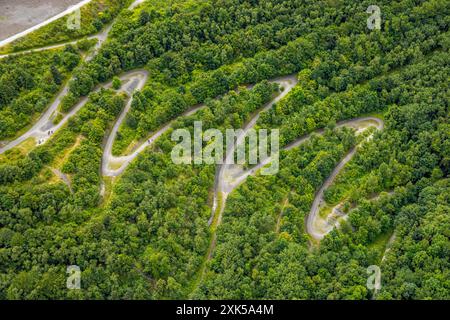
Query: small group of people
[{"x": 49, "y": 133}]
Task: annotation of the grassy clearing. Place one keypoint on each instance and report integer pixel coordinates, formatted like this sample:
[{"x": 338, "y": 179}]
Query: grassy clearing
[
  {"x": 18, "y": 152},
  {"x": 380, "y": 243},
  {"x": 61, "y": 159},
  {"x": 108, "y": 191},
  {"x": 325, "y": 210}
]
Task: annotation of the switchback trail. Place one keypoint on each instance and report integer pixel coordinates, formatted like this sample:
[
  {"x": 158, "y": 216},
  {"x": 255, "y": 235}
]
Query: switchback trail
[
  {"x": 229, "y": 177},
  {"x": 114, "y": 166}
]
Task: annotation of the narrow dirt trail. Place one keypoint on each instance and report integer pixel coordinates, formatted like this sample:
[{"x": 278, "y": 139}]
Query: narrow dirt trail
[
  {"x": 44, "y": 128},
  {"x": 388, "y": 246},
  {"x": 100, "y": 37},
  {"x": 228, "y": 178},
  {"x": 120, "y": 163},
  {"x": 134, "y": 81},
  {"x": 114, "y": 166},
  {"x": 223, "y": 185},
  {"x": 280, "y": 215},
  {"x": 63, "y": 177}
]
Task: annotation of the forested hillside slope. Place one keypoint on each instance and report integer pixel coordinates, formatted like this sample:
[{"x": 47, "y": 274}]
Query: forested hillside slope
[{"x": 366, "y": 116}]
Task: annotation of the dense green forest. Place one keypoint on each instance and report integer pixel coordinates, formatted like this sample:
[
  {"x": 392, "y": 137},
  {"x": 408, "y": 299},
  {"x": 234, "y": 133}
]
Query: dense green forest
[
  {"x": 408, "y": 157},
  {"x": 29, "y": 83},
  {"x": 147, "y": 233}
]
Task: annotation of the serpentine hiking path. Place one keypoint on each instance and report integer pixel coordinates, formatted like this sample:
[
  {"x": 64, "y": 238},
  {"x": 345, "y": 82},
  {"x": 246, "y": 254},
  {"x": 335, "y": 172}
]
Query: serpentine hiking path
[
  {"x": 132, "y": 81},
  {"x": 229, "y": 177},
  {"x": 44, "y": 127},
  {"x": 312, "y": 227},
  {"x": 121, "y": 163}
]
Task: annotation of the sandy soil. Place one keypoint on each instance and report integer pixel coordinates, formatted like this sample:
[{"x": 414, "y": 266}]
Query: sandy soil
[{"x": 18, "y": 15}]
